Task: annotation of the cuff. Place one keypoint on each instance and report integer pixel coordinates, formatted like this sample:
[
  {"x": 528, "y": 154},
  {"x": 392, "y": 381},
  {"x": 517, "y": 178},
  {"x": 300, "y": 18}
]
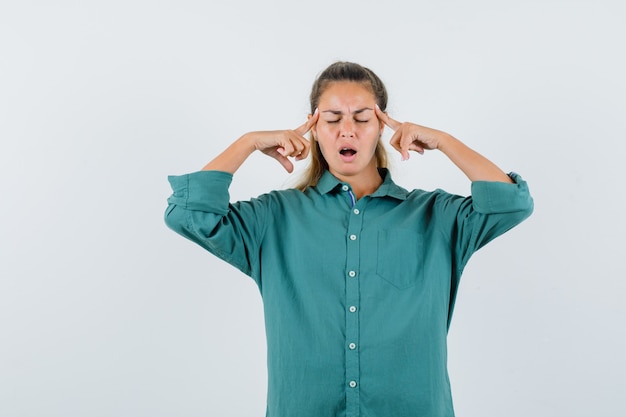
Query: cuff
[
  {"x": 501, "y": 197},
  {"x": 202, "y": 191}
]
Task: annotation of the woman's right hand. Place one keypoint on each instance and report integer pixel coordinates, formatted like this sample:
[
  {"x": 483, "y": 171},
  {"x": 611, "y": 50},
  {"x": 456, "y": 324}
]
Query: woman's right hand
[
  {"x": 283, "y": 144},
  {"x": 279, "y": 144}
]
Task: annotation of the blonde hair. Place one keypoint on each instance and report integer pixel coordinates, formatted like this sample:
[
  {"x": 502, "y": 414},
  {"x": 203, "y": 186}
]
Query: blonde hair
[{"x": 341, "y": 71}]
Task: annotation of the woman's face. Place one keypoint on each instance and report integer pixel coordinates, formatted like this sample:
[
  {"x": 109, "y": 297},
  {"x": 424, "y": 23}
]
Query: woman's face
[{"x": 348, "y": 130}]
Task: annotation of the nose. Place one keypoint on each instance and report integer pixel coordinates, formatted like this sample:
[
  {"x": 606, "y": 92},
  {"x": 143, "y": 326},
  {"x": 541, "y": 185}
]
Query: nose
[{"x": 347, "y": 129}]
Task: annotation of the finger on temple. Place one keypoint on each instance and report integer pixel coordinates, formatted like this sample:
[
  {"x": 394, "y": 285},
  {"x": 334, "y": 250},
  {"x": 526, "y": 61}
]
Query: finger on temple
[
  {"x": 393, "y": 124},
  {"x": 306, "y": 126}
]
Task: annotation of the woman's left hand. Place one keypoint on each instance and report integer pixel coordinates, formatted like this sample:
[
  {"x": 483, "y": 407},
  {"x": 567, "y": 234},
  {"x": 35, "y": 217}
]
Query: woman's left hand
[{"x": 411, "y": 137}]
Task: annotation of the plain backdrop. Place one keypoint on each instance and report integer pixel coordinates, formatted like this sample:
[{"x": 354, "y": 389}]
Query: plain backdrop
[{"x": 106, "y": 312}]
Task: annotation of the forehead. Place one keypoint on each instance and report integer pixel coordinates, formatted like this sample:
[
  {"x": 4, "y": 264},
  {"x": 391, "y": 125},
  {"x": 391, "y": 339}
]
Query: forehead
[{"x": 350, "y": 93}]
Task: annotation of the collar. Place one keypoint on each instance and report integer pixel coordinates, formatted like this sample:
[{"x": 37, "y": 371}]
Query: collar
[{"x": 329, "y": 183}]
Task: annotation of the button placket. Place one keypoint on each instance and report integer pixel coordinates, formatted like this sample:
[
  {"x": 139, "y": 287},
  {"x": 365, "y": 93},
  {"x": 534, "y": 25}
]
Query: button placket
[
  {"x": 350, "y": 194},
  {"x": 353, "y": 262}
]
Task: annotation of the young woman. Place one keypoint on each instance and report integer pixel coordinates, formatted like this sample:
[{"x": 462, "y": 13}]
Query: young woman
[{"x": 358, "y": 275}]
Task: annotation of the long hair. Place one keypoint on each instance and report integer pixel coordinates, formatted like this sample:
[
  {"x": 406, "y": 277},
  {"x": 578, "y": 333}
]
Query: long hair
[{"x": 341, "y": 71}]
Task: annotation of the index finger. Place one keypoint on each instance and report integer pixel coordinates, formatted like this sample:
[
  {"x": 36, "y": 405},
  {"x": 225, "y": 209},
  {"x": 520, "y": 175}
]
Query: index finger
[
  {"x": 301, "y": 130},
  {"x": 393, "y": 124}
]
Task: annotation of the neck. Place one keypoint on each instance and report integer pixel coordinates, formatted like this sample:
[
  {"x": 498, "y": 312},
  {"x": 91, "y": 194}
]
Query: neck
[{"x": 364, "y": 183}]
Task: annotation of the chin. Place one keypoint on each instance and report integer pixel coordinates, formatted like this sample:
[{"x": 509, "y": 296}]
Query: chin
[{"x": 346, "y": 172}]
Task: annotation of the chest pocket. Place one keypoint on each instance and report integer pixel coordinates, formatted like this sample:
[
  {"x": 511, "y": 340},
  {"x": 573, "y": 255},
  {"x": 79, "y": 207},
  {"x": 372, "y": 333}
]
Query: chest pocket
[{"x": 400, "y": 257}]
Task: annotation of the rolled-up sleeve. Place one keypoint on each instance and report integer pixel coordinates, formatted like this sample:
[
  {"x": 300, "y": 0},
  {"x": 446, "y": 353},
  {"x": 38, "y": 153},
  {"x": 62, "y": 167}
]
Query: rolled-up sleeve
[
  {"x": 493, "y": 209},
  {"x": 502, "y": 197},
  {"x": 205, "y": 191},
  {"x": 199, "y": 209}
]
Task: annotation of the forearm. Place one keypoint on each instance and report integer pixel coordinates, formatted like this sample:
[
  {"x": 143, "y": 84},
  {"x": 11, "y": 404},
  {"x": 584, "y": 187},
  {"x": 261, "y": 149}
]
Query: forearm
[
  {"x": 232, "y": 157},
  {"x": 473, "y": 164}
]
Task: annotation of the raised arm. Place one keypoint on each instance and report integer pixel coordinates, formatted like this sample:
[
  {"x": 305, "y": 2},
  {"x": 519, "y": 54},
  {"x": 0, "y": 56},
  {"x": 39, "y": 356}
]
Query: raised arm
[
  {"x": 412, "y": 137},
  {"x": 279, "y": 144}
]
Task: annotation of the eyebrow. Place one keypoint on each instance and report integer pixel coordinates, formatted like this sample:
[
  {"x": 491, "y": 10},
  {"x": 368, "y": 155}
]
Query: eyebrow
[{"x": 339, "y": 112}]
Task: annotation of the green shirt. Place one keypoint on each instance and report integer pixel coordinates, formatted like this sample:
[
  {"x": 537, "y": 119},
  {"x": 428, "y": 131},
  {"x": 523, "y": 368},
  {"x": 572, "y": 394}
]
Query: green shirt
[{"x": 357, "y": 295}]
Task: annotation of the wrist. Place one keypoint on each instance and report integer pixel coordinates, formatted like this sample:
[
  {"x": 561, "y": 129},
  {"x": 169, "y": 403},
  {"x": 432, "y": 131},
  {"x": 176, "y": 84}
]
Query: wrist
[
  {"x": 445, "y": 142},
  {"x": 247, "y": 143}
]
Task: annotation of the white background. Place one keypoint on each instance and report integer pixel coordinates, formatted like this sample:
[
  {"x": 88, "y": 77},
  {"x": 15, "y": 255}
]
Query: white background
[{"x": 105, "y": 312}]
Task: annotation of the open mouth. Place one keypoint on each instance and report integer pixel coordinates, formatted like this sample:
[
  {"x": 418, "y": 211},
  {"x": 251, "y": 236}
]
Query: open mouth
[
  {"x": 347, "y": 155},
  {"x": 347, "y": 152}
]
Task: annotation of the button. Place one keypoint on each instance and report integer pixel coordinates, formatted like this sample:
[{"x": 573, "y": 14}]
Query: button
[
  {"x": 352, "y": 384},
  {"x": 352, "y": 237},
  {"x": 352, "y": 274},
  {"x": 352, "y": 309},
  {"x": 345, "y": 188},
  {"x": 352, "y": 346},
  {"x": 356, "y": 211}
]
